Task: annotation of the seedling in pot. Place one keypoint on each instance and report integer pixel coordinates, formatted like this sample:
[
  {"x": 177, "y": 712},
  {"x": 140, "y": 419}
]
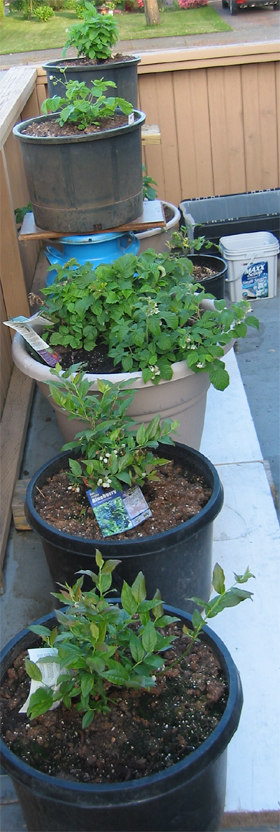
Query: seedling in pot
[
  {"x": 95, "y": 36},
  {"x": 112, "y": 450},
  {"x": 100, "y": 644},
  {"x": 85, "y": 107}
]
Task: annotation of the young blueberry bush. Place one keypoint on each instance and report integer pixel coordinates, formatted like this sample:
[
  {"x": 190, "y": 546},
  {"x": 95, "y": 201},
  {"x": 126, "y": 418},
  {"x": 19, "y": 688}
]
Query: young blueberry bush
[{"x": 99, "y": 644}]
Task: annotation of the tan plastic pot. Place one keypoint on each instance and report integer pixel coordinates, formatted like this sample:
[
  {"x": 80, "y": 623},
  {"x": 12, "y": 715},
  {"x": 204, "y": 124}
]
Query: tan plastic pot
[
  {"x": 157, "y": 238},
  {"x": 182, "y": 398}
]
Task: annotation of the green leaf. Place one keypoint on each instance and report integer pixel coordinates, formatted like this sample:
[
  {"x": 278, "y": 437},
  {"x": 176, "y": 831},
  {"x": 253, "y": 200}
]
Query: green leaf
[
  {"x": 218, "y": 579},
  {"x": 40, "y": 702},
  {"x": 139, "y": 588},
  {"x": 33, "y": 670},
  {"x": 109, "y": 566},
  {"x": 128, "y": 600},
  {"x": 87, "y": 719},
  {"x": 149, "y": 637},
  {"x": 197, "y": 619},
  {"x": 87, "y": 683},
  {"x": 40, "y": 630},
  {"x": 116, "y": 673},
  {"x": 136, "y": 648},
  {"x": 99, "y": 559},
  {"x": 242, "y": 579},
  {"x": 141, "y": 435},
  {"x": 75, "y": 467}
]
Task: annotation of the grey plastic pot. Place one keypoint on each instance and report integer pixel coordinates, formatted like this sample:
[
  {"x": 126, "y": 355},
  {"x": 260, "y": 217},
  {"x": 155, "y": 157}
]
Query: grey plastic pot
[
  {"x": 122, "y": 72},
  {"x": 84, "y": 183},
  {"x": 179, "y": 561},
  {"x": 158, "y": 238},
  {"x": 187, "y": 797}
]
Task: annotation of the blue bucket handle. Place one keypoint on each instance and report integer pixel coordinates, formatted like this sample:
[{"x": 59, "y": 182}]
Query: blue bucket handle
[{"x": 129, "y": 241}]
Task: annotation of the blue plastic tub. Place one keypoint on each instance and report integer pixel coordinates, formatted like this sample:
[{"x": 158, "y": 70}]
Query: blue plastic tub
[{"x": 95, "y": 249}]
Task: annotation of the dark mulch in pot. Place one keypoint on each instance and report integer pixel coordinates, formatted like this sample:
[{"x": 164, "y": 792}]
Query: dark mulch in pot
[
  {"x": 96, "y": 361},
  {"x": 201, "y": 273},
  {"x": 51, "y": 127},
  {"x": 114, "y": 59},
  {"x": 177, "y": 495},
  {"x": 145, "y": 732}
]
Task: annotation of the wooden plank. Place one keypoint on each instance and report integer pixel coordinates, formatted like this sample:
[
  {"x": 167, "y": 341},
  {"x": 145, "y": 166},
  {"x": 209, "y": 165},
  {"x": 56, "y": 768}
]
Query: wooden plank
[
  {"x": 152, "y": 156},
  {"x": 234, "y": 130},
  {"x": 12, "y": 437},
  {"x": 6, "y": 363},
  {"x": 217, "y": 114},
  {"x": 268, "y": 124},
  {"x": 228, "y": 54},
  {"x": 277, "y": 83},
  {"x": 168, "y": 128},
  {"x": 193, "y": 125},
  {"x": 150, "y": 134},
  {"x": 20, "y": 522},
  {"x": 12, "y": 279},
  {"x": 250, "y": 99},
  {"x": 31, "y": 108},
  {"x": 152, "y": 217},
  {"x": 16, "y": 87}
]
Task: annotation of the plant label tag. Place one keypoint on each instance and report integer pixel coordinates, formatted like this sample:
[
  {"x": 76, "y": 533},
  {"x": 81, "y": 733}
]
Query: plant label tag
[
  {"x": 118, "y": 511},
  {"x": 131, "y": 118},
  {"x": 37, "y": 344},
  {"x": 50, "y": 672}
]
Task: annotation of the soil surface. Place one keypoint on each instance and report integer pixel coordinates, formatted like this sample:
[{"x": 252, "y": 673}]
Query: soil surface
[
  {"x": 83, "y": 61},
  {"x": 178, "y": 495},
  {"x": 145, "y": 732},
  {"x": 51, "y": 127}
]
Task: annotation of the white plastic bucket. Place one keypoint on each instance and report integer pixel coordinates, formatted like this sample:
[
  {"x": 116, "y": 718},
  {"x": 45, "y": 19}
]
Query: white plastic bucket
[{"x": 252, "y": 265}]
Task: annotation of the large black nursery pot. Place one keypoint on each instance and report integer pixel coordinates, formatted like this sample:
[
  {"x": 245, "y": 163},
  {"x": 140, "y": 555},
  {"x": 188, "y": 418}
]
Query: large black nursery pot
[
  {"x": 187, "y": 797},
  {"x": 178, "y": 561},
  {"x": 216, "y": 283},
  {"x": 85, "y": 182},
  {"x": 122, "y": 71}
]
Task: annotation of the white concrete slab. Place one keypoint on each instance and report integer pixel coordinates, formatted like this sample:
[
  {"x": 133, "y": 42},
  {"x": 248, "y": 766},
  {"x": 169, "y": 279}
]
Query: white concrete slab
[
  {"x": 229, "y": 434},
  {"x": 247, "y": 533}
]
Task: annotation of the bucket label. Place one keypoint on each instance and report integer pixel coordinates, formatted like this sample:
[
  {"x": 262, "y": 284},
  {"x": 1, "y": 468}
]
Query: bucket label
[{"x": 255, "y": 280}]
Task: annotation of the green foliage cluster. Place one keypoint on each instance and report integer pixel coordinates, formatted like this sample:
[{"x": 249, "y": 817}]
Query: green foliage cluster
[
  {"x": 95, "y": 36},
  {"x": 100, "y": 644},
  {"x": 149, "y": 192},
  {"x": 147, "y": 312},
  {"x": 112, "y": 449},
  {"x": 180, "y": 241},
  {"x": 1, "y": 9},
  {"x": 84, "y": 107},
  {"x": 43, "y": 13}
]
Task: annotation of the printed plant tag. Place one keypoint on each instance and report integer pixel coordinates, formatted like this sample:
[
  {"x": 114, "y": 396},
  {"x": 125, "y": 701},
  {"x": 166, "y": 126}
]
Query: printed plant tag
[
  {"x": 118, "y": 511},
  {"x": 131, "y": 118},
  {"x": 25, "y": 328},
  {"x": 50, "y": 672}
]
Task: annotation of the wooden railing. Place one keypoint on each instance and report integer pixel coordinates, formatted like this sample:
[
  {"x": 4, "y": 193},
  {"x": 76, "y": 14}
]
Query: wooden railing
[{"x": 218, "y": 114}]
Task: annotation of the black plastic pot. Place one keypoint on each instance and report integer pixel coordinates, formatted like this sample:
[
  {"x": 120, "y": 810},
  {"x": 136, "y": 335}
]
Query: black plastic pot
[
  {"x": 187, "y": 797},
  {"x": 216, "y": 283},
  {"x": 178, "y": 561},
  {"x": 123, "y": 73},
  {"x": 84, "y": 183}
]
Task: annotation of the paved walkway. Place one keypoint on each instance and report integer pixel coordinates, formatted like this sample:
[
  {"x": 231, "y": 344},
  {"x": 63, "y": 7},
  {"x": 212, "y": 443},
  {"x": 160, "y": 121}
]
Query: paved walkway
[{"x": 253, "y": 25}]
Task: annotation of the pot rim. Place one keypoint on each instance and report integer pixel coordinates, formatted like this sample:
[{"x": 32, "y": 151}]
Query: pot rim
[
  {"x": 74, "y": 62},
  {"x": 197, "y": 760},
  {"x": 204, "y": 517},
  {"x": 75, "y": 138}
]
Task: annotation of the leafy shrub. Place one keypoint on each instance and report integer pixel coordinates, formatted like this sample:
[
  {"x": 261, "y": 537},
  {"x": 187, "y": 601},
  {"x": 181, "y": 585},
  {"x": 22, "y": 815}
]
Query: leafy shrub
[
  {"x": 84, "y": 107},
  {"x": 43, "y": 13},
  {"x": 1, "y": 9},
  {"x": 94, "y": 37},
  {"x": 56, "y": 5}
]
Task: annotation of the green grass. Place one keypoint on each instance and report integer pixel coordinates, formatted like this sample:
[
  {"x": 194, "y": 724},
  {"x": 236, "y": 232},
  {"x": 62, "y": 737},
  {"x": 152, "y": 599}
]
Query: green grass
[{"x": 18, "y": 35}]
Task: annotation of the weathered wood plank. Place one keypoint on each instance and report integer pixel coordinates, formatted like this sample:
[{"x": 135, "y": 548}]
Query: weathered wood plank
[
  {"x": 16, "y": 87},
  {"x": 20, "y": 522},
  {"x": 12, "y": 437},
  {"x": 152, "y": 217}
]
